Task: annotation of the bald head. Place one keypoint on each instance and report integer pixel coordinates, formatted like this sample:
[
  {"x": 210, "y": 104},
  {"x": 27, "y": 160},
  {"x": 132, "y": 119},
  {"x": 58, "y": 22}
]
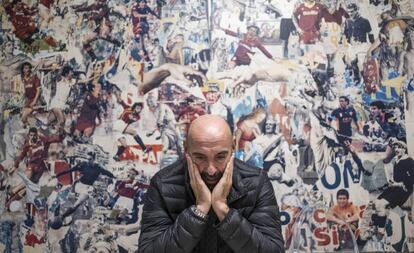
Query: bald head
[
  {"x": 211, "y": 126},
  {"x": 210, "y": 146}
]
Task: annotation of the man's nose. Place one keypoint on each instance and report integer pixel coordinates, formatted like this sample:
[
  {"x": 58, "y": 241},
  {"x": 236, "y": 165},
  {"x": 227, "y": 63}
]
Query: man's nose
[{"x": 211, "y": 170}]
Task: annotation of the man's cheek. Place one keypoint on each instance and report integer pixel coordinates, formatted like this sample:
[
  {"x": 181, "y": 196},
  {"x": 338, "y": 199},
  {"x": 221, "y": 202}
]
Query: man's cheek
[
  {"x": 199, "y": 166},
  {"x": 222, "y": 168}
]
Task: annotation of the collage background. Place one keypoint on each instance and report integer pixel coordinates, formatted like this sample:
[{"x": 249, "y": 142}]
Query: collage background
[{"x": 296, "y": 90}]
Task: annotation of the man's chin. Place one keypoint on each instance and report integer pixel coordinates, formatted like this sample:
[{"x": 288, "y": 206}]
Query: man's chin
[{"x": 211, "y": 185}]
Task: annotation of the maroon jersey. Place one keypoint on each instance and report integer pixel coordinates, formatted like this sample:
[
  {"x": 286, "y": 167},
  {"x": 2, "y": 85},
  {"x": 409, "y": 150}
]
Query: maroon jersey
[
  {"x": 21, "y": 16},
  {"x": 32, "y": 239},
  {"x": 309, "y": 20},
  {"x": 30, "y": 86},
  {"x": 245, "y": 45},
  {"x": 60, "y": 166},
  {"x": 129, "y": 116},
  {"x": 46, "y": 3},
  {"x": 98, "y": 12},
  {"x": 88, "y": 113},
  {"x": 336, "y": 16},
  {"x": 36, "y": 152},
  {"x": 127, "y": 188}
]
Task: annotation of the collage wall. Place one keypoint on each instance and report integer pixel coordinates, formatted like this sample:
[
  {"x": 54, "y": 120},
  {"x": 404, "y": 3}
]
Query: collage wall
[{"x": 96, "y": 96}]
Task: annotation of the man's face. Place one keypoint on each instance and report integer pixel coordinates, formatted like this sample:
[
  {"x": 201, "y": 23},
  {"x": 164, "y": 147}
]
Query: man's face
[
  {"x": 179, "y": 38},
  {"x": 352, "y": 12},
  {"x": 70, "y": 75},
  {"x": 400, "y": 151},
  {"x": 33, "y": 136},
  {"x": 131, "y": 174},
  {"x": 252, "y": 31},
  {"x": 152, "y": 101},
  {"x": 342, "y": 103},
  {"x": 342, "y": 201},
  {"x": 91, "y": 160},
  {"x": 8, "y": 48},
  {"x": 138, "y": 109},
  {"x": 374, "y": 110},
  {"x": 385, "y": 16},
  {"x": 26, "y": 69},
  {"x": 330, "y": 4},
  {"x": 210, "y": 155},
  {"x": 270, "y": 127}
]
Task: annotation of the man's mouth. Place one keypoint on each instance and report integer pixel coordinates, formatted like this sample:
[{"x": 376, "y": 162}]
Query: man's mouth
[{"x": 211, "y": 180}]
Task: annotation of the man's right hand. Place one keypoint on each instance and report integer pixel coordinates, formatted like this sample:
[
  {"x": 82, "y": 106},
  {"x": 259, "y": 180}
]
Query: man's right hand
[
  {"x": 200, "y": 189},
  {"x": 12, "y": 170}
]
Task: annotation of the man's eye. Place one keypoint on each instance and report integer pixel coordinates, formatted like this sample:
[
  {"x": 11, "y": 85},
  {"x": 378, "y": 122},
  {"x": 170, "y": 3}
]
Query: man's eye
[{"x": 200, "y": 159}]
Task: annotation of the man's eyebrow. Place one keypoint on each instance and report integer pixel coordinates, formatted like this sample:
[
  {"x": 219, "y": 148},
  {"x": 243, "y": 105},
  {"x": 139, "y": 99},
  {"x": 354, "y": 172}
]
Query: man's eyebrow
[
  {"x": 225, "y": 152},
  {"x": 197, "y": 154}
]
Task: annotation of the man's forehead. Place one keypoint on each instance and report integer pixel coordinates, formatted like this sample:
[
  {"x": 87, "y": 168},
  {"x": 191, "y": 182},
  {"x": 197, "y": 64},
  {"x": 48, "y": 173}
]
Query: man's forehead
[{"x": 204, "y": 153}]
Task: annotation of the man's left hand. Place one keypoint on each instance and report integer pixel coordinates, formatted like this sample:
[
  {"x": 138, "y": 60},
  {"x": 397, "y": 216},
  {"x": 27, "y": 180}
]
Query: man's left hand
[{"x": 222, "y": 190}]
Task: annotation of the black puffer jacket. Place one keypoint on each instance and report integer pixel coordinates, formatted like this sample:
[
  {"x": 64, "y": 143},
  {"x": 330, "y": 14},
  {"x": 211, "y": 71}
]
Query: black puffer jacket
[{"x": 169, "y": 225}]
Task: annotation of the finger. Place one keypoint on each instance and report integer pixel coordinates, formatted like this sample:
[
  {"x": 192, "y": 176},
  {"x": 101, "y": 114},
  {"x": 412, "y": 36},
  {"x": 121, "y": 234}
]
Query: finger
[
  {"x": 240, "y": 91},
  {"x": 197, "y": 175},
  {"x": 190, "y": 168},
  {"x": 190, "y": 71},
  {"x": 230, "y": 167},
  {"x": 237, "y": 89},
  {"x": 240, "y": 80}
]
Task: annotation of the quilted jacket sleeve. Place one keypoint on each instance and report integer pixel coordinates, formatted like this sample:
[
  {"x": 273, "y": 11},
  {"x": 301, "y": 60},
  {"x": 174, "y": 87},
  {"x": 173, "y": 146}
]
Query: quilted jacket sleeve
[
  {"x": 261, "y": 232},
  {"x": 160, "y": 233}
]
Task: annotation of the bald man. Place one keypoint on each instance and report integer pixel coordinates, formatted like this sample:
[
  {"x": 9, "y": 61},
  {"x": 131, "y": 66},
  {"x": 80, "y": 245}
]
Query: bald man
[{"x": 209, "y": 201}]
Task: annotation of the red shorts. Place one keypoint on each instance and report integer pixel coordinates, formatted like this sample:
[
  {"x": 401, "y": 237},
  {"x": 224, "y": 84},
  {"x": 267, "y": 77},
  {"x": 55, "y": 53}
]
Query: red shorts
[
  {"x": 37, "y": 171},
  {"x": 25, "y": 31},
  {"x": 81, "y": 125},
  {"x": 28, "y": 102},
  {"x": 310, "y": 37}
]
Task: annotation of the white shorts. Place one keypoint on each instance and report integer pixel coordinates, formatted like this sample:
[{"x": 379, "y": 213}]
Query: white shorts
[
  {"x": 57, "y": 103},
  {"x": 120, "y": 125},
  {"x": 124, "y": 203},
  {"x": 358, "y": 51},
  {"x": 81, "y": 188}
]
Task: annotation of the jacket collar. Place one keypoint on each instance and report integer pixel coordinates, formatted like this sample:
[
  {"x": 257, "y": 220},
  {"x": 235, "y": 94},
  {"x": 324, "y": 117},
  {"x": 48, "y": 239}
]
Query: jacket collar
[{"x": 237, "y": 190}]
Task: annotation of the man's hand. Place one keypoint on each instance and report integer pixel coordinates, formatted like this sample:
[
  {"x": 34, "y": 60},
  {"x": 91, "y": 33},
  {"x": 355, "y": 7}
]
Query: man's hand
[
  {"x": 222, "y": 190},
  {"x": 200, "y": 189},
  {"x": 183, "y": 73},
  {"x": 243, "y": 81},
  {"x": 12, "y": 170}
]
